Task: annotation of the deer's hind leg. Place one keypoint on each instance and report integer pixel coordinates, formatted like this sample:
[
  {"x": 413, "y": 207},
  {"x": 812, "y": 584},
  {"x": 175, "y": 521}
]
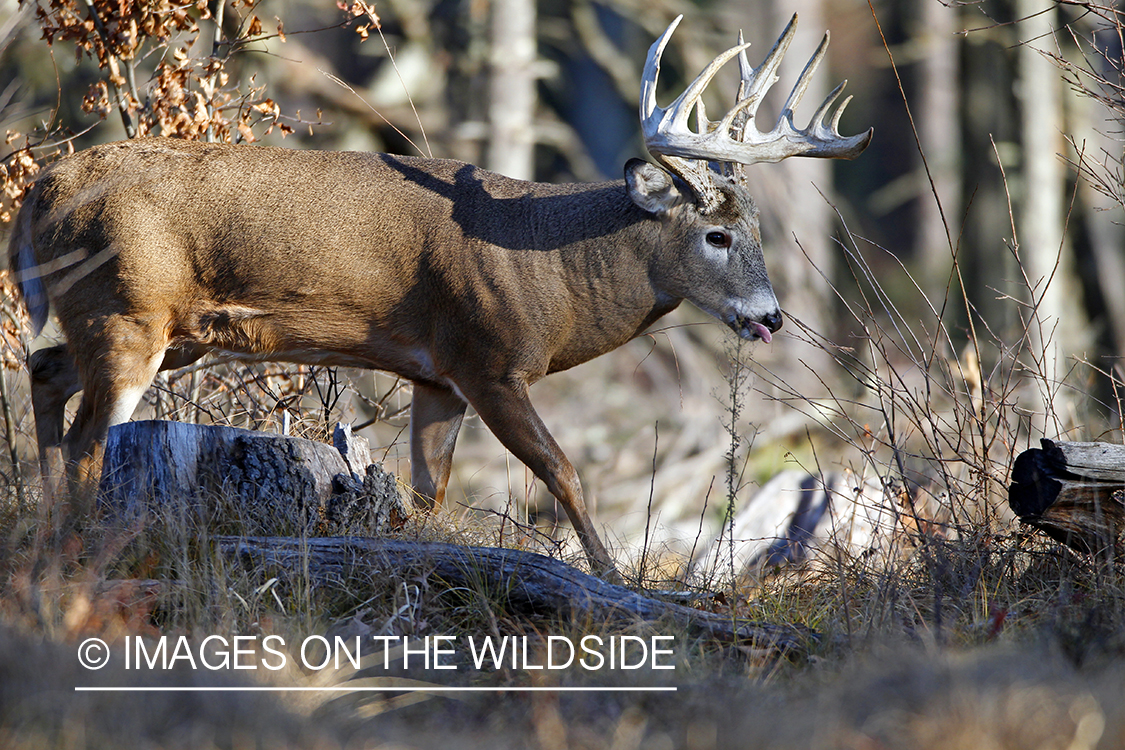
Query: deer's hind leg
[
  {"x": 120, "y": 357},
  {"x": 54, "y": 380}
]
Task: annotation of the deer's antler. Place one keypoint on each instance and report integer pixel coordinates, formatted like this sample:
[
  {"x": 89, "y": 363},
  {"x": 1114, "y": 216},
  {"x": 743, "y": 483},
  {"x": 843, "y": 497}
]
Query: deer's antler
[{"x": 736, "y": 139}]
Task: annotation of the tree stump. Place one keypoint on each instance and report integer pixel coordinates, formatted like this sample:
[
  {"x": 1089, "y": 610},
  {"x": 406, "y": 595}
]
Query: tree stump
[
  {"x": 246, "y": 482},
  {"x": 1073, "y": 492}
]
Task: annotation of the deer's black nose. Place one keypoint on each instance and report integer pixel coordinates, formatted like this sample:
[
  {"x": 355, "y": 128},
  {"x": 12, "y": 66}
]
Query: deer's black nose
[{"x": 772, "y": 321}]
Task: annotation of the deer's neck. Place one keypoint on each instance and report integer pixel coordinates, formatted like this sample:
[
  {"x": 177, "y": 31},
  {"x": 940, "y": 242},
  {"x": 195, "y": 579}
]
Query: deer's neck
[{"x": 604, "y": 249}]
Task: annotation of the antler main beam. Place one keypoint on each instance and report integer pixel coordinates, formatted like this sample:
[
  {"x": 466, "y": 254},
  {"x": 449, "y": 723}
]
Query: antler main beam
[{"x": 735, "y": 138}]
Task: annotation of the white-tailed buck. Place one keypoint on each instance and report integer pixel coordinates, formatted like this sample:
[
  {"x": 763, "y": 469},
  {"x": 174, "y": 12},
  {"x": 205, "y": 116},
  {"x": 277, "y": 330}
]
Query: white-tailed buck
[{"x": 154, "y": 252}]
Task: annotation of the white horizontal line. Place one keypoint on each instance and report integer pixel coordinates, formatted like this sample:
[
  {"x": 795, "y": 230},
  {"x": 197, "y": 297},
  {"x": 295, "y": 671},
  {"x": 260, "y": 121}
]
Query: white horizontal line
[{"x": 386, "y": 689}]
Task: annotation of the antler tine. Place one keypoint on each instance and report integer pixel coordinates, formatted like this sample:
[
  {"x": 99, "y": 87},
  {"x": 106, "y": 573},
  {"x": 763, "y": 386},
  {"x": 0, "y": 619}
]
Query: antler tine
[
  {"x": 678, "y": 111},
  {"x": 831, "y": 131},
  {"x": 745, "y": 71},
  {"x": 738, "y": 122},
  {"x": 802, "y": 84},
  {"x": 651, "y": 72},
  {"x": 758, "y": 81},
  {"x": 735, "y": 138}
]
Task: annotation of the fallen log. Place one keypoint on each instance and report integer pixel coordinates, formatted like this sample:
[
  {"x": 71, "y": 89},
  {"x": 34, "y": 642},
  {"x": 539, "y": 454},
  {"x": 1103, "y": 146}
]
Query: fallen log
[
  {"x": 528, "y": 582},
  {"x": 1074, "y": 493}
]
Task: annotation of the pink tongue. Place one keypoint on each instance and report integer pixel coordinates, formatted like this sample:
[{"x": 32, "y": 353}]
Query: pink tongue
[{"x": 763, "y": 332}]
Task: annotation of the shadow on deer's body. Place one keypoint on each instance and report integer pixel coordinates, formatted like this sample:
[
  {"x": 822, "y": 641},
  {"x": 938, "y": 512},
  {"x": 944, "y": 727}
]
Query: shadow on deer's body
[{"x": 470, "y": 284}]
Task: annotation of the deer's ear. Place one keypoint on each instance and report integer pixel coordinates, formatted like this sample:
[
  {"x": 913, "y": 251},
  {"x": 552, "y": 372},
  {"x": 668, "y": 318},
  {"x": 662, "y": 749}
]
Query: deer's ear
[{"x": 651, "y": 188}]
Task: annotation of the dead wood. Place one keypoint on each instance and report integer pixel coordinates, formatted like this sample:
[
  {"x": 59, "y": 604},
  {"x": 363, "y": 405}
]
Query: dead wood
[
  {"x": 525, "y": 581},
  {"x": 1074, "y": 493},
  {"x": 240, "y": 481}
]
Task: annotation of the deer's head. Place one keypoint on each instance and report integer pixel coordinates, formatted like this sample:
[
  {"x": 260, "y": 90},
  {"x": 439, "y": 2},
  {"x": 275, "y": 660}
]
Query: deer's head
[{"x": 699, "y": 193}]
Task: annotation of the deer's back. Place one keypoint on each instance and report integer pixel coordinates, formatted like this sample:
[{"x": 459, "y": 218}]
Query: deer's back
[{"x": 373, "y": 248}]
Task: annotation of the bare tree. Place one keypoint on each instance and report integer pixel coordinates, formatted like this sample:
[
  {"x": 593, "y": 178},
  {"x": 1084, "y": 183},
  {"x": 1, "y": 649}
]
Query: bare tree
[
  {"x": 939, "y": 129},
  {"x": 1056, "y": 325},
  {"x": 511, "y": 110}
]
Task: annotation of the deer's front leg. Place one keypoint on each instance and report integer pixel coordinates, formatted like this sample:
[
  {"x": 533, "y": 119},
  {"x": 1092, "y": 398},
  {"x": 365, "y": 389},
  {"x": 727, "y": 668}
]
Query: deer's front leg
[
  {"x": 435, "y": 419},
  {"x": 506, "y": 408}
]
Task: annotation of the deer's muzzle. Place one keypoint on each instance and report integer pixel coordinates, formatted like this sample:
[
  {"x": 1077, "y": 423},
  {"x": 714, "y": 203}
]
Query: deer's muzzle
[{"x": 763, "y": 329}]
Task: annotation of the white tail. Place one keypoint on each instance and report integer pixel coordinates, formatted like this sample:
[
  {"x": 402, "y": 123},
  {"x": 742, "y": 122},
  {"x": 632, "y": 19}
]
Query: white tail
[{"x": 472, "y": 285}]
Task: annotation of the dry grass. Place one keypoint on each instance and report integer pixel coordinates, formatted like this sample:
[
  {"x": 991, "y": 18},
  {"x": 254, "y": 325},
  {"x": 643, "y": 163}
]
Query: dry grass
[{"x": 985, "y": 642}]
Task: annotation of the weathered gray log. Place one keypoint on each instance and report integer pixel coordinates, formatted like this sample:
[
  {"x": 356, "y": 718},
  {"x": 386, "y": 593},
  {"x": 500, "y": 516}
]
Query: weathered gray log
[
  {"x": 529, "y": 582},
  {"x": 247, "y": 482},
  {"x": 1073, "y": 492}
]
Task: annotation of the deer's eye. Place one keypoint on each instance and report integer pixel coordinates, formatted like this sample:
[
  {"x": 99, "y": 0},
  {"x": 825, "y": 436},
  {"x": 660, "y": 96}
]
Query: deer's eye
[{"x": 718, "y": 239}]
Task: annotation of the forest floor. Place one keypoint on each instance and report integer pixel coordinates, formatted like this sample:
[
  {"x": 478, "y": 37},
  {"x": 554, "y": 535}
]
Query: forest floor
[{"x": 986, "y": 640}]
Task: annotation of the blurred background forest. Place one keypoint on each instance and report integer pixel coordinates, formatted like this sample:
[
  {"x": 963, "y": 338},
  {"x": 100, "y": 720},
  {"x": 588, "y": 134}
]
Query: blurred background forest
[{"x": 979, "y": 240}]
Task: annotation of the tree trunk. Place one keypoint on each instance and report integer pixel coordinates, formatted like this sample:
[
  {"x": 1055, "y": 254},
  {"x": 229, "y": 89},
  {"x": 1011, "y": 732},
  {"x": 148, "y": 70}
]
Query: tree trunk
[
  {"x": 1057, "y": 328},
  {"x": 939, "y": 129},
  {"x": 804, "y": 245},
  {"x": 511, "y": 113}
]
